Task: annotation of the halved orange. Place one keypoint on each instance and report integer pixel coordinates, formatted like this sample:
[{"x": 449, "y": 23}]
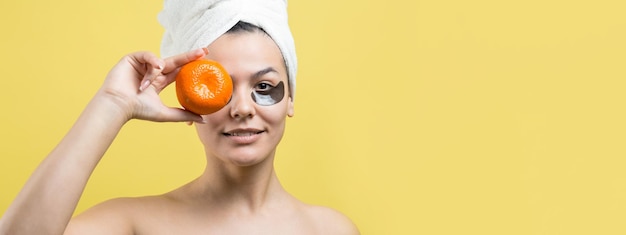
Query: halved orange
[{"x": 203, "y": 86}]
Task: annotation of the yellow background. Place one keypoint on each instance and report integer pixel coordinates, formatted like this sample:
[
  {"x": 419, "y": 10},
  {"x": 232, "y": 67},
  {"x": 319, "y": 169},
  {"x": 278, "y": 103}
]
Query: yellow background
[{"x": 412, "y": 117}]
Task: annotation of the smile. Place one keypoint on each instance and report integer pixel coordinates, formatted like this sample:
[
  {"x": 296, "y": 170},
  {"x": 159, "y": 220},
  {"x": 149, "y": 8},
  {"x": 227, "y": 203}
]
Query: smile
[
  {"x": 244, "y": 136},
  {"x": 244, "y": 133}
]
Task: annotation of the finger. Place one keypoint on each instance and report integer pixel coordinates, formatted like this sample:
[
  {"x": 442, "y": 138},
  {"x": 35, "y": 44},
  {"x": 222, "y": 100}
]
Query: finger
[
  {"x": 139, "y": 60},
  {"x": 175, "y": 62},
  {"x": 160, "y": 81},
  {"x": 153, "y": 67},
  {"x": 150, "y": 76},
  {"x": 180, "y": 115},
  {"x": 153, "y": 60}
]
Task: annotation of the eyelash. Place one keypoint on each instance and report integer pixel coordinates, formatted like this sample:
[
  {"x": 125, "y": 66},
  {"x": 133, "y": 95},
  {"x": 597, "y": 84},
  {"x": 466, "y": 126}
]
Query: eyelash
[{"x": 264, "y": 86}]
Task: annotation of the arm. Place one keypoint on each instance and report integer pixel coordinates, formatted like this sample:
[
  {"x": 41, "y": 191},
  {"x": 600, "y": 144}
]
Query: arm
[{"x": 130, "y": 91}]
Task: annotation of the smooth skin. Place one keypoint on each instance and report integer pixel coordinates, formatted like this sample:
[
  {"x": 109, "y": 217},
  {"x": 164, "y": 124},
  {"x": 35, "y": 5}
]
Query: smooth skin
[{"x": 238, "y": 193}]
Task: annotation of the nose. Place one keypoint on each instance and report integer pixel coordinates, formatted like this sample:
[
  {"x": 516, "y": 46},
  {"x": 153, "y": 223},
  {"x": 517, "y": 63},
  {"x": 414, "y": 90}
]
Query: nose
[{"x": 241, "y": 106}]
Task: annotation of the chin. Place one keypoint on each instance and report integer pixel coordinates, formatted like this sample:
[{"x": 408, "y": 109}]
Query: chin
[{"x": 248, "y": 158}]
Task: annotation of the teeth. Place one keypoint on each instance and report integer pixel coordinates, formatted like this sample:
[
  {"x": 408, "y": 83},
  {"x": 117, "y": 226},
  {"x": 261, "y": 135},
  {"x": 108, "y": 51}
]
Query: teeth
[{"x": 243, "y": 133}]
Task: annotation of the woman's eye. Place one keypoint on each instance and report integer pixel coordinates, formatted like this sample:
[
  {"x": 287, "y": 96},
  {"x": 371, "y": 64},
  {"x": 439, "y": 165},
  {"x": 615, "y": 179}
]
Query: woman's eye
[
  {"x": 261, "y": 87},
  {"x": 265, "y": 94}
]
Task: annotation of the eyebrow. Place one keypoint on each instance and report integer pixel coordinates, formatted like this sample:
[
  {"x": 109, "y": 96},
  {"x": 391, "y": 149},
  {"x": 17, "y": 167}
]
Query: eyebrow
[{"x": 263, "y": 72}]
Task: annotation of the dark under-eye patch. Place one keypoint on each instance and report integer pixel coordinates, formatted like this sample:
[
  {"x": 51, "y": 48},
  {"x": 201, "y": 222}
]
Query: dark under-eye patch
[{"x": 270, "y": 96}]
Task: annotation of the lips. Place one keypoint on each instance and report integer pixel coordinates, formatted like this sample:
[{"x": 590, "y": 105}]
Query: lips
[
  {"x": 243, "y": 136},
  {"x": 243, "y": 132}
]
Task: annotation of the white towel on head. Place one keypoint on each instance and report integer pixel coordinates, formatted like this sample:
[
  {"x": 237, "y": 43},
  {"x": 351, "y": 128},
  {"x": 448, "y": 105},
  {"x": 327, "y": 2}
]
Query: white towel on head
[{"x": 191, "y": 24}]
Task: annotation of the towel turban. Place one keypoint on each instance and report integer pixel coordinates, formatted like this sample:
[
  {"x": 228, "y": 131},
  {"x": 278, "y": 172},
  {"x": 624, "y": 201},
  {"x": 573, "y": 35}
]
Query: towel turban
[{"x": 191, "y": 24}]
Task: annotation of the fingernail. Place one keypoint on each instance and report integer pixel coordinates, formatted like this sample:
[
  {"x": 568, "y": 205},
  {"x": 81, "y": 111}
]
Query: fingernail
[
  {"x": 206, "y": 50},
  {"x": 144, "y": 84},
  {"x": 199, "y": 52}
]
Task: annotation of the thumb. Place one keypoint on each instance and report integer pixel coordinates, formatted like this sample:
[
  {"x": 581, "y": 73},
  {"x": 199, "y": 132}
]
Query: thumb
[{"x": 180, "y": 115}]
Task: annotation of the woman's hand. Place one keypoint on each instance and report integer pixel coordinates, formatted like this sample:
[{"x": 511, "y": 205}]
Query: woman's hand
[
  {"x": 40, "y": 207},
  {"x": 135, "y": 82}
]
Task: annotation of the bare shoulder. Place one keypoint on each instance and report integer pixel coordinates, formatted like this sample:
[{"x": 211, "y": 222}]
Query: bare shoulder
[
  {"x": 331, "y": 221},
  {"x": 115, "y": 216}
]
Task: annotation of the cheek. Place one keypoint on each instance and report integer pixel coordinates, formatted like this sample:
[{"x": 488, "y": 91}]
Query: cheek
[
  {"x": 203, "y": 133},
  {"x": 276, "y": 114},
  {"x": 211, "y": 129}
]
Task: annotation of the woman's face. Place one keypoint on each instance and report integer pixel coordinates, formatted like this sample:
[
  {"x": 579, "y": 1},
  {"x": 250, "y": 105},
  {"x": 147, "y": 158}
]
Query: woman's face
[{"x": 248, "y": 129}]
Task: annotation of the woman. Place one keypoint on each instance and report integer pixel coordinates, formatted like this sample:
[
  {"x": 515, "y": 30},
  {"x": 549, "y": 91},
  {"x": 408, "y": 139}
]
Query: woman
[{"x": 238, "y": 193}]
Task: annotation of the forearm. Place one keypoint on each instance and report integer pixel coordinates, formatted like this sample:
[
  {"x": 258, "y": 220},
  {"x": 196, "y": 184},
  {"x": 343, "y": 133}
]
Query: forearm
[{"x": 47, "y": 201}]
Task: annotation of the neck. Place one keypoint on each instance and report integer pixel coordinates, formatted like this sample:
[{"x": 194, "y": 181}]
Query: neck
[{"x": 226, "y": 185}]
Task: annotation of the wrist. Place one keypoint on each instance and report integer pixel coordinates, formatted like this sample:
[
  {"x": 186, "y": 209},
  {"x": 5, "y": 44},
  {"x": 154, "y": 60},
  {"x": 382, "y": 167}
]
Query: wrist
[{"x": 110, "y": 108}]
